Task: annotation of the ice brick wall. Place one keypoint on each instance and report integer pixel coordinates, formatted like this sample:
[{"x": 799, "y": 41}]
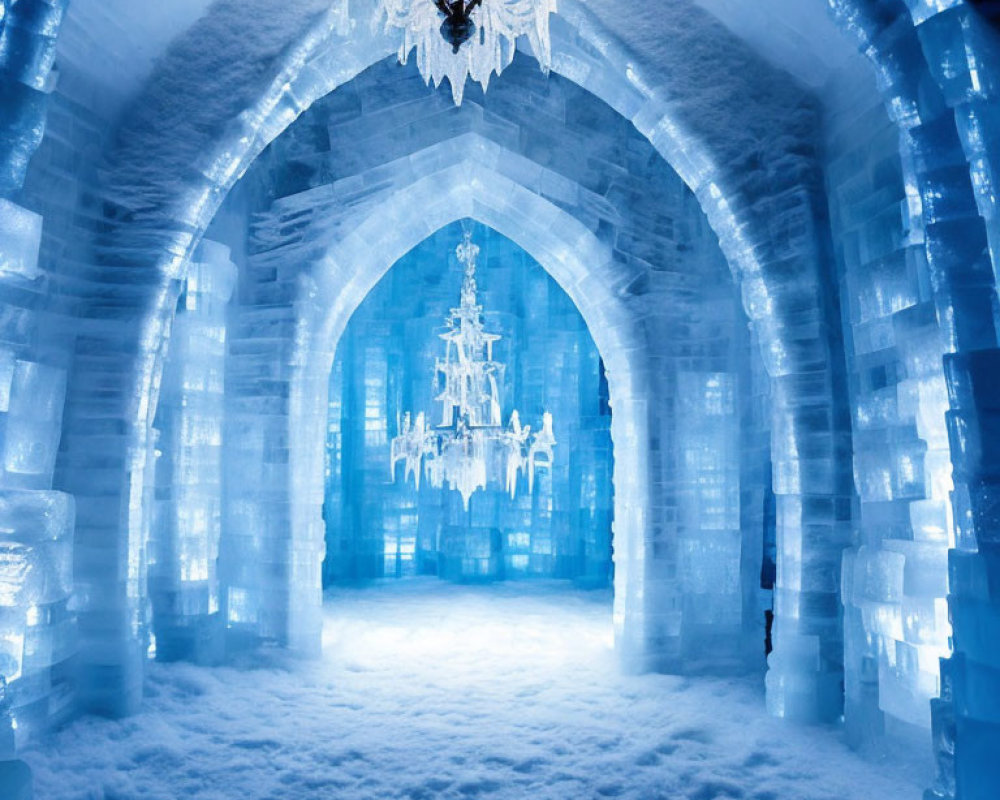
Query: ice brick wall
[
  {"x": 937, "y": 67},
  {"x": 895, "y": 575},
  {"x": 28, "y": 31},
  {"x": 962, "y": 50},
  {"x": 385, "y": 367},
  {"x": 186, "y": 529},
  {"x": 254, "y": 548},
  {"x": 37, "y": 623},
  {"x": 709, "y": 531},
  {"x": 61, "y": 186},
  {"x": 703, "y": 346}
]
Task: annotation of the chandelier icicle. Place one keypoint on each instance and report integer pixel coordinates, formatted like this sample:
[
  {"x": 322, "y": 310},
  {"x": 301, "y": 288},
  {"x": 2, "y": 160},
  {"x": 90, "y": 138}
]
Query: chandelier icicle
[
  {"x": 470, "y": 446},
  {"x": 459, "y": 39}
]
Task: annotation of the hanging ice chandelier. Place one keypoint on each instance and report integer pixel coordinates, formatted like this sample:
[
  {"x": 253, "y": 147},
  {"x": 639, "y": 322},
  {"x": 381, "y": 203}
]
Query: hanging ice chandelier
[
  {"x": 458, "y": 39},
  {"x": 470, "y": 446}
]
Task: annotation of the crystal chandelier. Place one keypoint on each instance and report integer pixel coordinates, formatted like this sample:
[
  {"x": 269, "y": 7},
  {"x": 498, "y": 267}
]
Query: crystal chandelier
[
  {"x": 458, "y": 39},
  {"x": 470, "y": 446}
]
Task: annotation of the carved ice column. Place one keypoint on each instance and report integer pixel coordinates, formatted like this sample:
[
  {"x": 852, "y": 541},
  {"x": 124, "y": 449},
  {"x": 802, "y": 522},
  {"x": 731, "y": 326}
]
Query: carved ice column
[{"x": 184, "y": 546}]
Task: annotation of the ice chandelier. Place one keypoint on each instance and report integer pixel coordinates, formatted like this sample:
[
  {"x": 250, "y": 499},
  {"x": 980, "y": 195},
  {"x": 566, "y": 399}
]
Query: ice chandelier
[
  {"x": 488, "y": 29},
  {"x": 470, "y": 446}
]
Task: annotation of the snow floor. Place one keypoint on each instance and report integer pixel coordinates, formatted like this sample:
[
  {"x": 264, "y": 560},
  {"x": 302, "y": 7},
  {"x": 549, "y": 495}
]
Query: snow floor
[{"x": 430, "y": 690}]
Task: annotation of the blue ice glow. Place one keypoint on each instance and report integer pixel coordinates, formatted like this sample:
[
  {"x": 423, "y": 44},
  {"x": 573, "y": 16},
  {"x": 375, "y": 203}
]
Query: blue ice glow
[
  {"x": 385, "y": 363},
  {"x": 184, "y": 542}
]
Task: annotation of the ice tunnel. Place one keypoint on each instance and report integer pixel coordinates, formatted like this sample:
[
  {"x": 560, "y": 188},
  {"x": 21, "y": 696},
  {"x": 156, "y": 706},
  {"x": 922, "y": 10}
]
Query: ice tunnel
[{"x": 507, "y": 398}]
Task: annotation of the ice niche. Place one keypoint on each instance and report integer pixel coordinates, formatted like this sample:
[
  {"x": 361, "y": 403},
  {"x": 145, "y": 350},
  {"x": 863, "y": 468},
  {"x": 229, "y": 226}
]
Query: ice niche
[{"x": 443, "y": 455}]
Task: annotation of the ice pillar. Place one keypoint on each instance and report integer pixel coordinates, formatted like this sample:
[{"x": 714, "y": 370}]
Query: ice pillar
[
  {"x": 37, "y": 625},
  {"x": 184, "y": 543},
  {"x": 971, "y": 677}
]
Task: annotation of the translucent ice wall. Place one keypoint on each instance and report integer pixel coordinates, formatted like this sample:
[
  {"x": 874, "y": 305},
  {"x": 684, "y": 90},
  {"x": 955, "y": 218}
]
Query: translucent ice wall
[
  {"x": 758, "y": 523},
  {"x": 385, "y": 367},
  {"x": 37, "y": 623},
  {"x": 187, "y": 515},
  {"x": 961, "y": 45},
  {"x": 895, "y": 576},
  {"x": 936, "y": 65},
  {"x": 709, "y": 477}
]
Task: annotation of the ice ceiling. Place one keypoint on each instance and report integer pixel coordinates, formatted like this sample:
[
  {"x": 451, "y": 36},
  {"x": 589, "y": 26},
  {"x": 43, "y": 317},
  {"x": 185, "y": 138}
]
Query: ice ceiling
[{"x": 785, "y": 253}]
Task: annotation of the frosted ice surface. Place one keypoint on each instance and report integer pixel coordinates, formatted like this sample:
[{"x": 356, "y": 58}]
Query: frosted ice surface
[{"x": 185, "y": 539}]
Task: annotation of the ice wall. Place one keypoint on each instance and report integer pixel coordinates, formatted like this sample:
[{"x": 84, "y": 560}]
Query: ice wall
[
  {"x": 28, "y": 31},
  {"x": 63, "y": 187},
  {"x": 763, "y": 194},
  {"x": 962, "y": 50},
  {"x": 936, "y": 65},
  {"x": 758, "y": 522},
  {"x": 187, "y": 516},
  {"x": 37, "y": 623},
  {"x": 385, "y": 367},
  {"x": 895, "y": 576},
  {"x": 709, "y": 477}
]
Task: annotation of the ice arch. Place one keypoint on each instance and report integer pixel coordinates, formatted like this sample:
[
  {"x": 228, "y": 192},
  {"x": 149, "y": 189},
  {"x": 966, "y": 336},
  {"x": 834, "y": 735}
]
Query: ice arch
[
  {"x": 570, "y": 253},
  {"x": 759, "y": 183},
  {"x": 425, "y": 143}
]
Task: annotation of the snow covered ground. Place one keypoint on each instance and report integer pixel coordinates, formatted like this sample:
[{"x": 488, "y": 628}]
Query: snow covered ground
[{"x": 430, "y": 690}]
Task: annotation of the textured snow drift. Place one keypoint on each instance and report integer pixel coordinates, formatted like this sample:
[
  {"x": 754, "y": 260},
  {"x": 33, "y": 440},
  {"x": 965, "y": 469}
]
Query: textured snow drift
[{"x": 429, "y": 690}]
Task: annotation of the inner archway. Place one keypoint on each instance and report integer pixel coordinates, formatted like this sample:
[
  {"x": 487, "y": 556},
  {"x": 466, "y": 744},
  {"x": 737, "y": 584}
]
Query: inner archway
[{"x": 559, "y": 526}]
